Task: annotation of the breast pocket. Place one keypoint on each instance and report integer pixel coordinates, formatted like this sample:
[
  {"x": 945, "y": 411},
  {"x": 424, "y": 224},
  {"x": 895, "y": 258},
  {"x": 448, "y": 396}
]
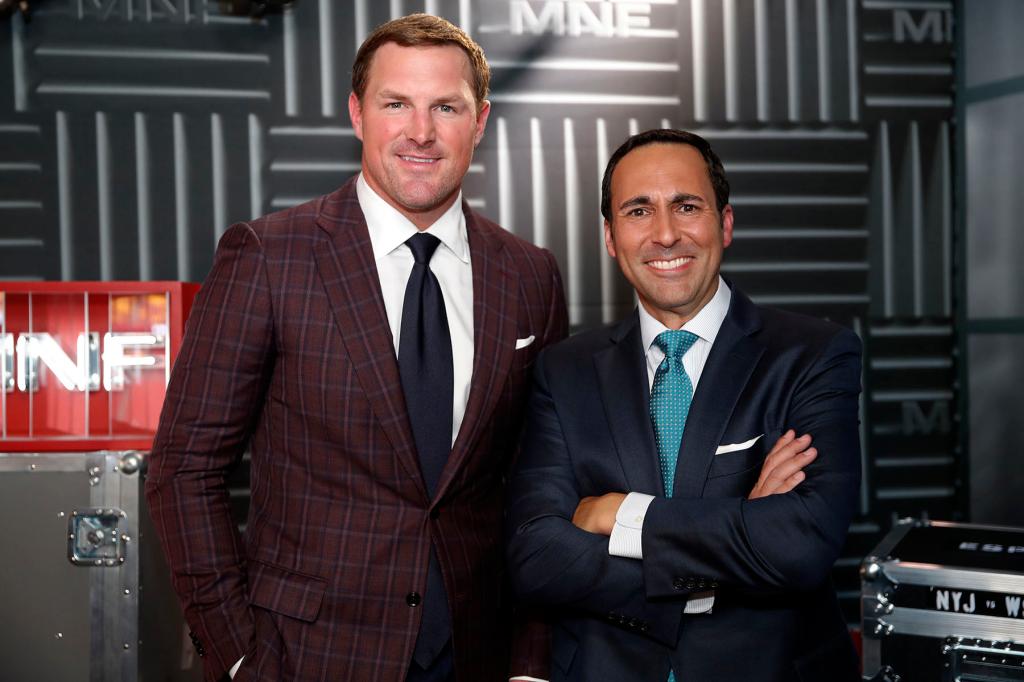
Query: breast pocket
[{"x": 734, "y": 471}]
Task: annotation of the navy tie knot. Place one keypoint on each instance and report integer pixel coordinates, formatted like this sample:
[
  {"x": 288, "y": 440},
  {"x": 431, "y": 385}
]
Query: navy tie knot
[
  {"x": 675, "y": 343},
  {"x": 422, "y": 246}
]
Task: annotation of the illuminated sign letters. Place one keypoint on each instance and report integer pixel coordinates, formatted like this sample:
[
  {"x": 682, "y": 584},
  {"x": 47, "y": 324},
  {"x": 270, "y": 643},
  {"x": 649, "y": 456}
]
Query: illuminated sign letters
[
  {"x": 608, "y": 19},
  {"x": 121, "y": 350}
]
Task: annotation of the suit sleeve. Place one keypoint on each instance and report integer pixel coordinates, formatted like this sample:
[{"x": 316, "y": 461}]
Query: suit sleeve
[
  {"x": 551, "y": 561},
  {"x": 780, "y": 542},
  {"x": 213, "y": 398}
]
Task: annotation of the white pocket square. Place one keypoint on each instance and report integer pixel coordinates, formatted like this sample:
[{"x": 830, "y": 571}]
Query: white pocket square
[
  {"x": 523, "y": 343},
  {"x": 722, "y": 449}
]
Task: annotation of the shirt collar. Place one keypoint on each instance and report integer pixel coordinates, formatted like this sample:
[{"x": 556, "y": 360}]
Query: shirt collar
[
  {"x": 389, "y": 229},
  {"x": 705, "y": 324}
]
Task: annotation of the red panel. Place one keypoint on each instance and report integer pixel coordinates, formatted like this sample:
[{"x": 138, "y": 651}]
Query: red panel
[{"x": 89, "y": 361}]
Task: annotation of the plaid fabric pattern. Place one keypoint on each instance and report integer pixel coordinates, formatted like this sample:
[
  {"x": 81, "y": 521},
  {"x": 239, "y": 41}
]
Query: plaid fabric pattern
[{"x": 288, "y": 349}]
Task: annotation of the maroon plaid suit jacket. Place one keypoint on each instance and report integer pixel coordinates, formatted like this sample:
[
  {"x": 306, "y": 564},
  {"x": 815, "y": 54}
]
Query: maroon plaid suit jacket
[{"x": 288, "y": 348}]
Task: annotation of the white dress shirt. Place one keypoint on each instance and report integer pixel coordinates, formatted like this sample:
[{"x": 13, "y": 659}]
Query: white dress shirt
[
  {"x": 450, "y": 263},
  {"x": 389, "y": 230},
  {"x": 626, "y": 537}
]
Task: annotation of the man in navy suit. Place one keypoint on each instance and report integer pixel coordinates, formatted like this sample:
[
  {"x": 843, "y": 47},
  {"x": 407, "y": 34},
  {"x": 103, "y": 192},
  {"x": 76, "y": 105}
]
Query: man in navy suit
[{"x": 663, "y": 507}]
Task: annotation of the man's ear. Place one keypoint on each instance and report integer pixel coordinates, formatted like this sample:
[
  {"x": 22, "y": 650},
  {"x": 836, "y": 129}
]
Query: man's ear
[
  {"x": 727, "y": 219},
  {"x": 481, "y": 122},
  {"x": 355, "y": 113},
  {"x": 609, "y": 240}
]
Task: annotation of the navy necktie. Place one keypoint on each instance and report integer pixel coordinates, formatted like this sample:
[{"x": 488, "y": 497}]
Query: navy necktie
[
  {"x": 425, "y": 361},
  {"x": 425, "y": 365}
]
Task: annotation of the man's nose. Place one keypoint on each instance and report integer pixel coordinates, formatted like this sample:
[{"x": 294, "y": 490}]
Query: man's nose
[
  {"x": 421, "y": 127},
  {"x": 666, "y": 232}
]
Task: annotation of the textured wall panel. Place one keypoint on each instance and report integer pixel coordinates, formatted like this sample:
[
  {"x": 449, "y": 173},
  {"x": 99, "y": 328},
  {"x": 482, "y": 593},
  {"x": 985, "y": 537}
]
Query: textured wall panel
[
  {"x": 911, "y": 220},
  {"x": 907, "y": 59},
  {"x": 995, "y": 288},
  {"x": 996, "y": 365},
  {"x": 993, "y": 316}
]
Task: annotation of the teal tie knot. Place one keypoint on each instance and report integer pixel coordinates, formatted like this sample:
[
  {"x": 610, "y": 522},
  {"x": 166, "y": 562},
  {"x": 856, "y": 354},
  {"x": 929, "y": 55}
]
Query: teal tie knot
[{"x": 675, "y": 343}]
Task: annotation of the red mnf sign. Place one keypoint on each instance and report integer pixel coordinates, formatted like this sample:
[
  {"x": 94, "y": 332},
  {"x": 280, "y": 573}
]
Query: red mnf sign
[{"x": 84, "y": 365}]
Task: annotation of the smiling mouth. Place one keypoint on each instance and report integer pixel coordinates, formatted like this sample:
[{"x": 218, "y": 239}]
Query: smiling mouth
[
  {"x": 418, "y": 159},
  {"x": 670, "y": 264}
]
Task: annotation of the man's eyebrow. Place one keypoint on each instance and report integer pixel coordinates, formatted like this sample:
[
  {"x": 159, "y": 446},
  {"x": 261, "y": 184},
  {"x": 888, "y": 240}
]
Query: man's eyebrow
[
  {"x": 440, "y": 99},
  {"x": 639, "y": 200},
  {"x": 390, "y": 94},
  {"x": 450, "y": 97},
  {"x": 683, "y": 197}
]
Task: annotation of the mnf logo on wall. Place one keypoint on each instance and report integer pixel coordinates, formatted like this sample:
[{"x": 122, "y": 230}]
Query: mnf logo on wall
[{"x": 597, "y": 18}]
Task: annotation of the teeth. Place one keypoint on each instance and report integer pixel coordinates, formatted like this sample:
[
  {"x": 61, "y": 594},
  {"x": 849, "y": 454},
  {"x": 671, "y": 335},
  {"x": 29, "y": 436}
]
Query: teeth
[
  {"x": 669, "y": 264},
  {"x": 416, "y": 159}
]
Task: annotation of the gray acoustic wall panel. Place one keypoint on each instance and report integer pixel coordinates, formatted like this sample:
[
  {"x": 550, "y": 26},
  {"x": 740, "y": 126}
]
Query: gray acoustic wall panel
[
  {"x": 997, "y": 439},
  {"x": 133, "y": 132},
  {"x": 995, "y": 288},
  {"x": 992, "y": 317}
]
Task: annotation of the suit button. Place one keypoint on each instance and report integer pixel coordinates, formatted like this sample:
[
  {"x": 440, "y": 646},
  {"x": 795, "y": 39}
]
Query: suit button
[
  {"x": 679, "y": 583},
  {"x": 691, "y": 584},
  {"x": 643, "y": 627},
  {"x": 634, "y": 623},
  {"x": 612, "y": 617},
  {"x": 713, "y": 584},
  {"x": 413, "y": 599}
]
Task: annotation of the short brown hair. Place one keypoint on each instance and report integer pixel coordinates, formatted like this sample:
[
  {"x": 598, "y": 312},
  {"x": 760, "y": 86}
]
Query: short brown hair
[{"x": 417, "y": 30}]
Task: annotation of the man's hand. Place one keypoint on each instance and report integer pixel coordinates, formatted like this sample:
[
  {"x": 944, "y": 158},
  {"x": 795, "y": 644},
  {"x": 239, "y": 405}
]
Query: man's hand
[
  {"x": 597, "y": 514},
  {"x": 783, "y": 467},
  {"x": 782, "y": 471}
]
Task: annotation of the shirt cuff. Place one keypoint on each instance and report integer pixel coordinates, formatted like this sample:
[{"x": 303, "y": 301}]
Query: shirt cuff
[
  {"x": 524, "y": 678},
  {"x": 627, "y": 533},
  {"x": 700, "y": 602},
  {"x": 235, "y": 667}
]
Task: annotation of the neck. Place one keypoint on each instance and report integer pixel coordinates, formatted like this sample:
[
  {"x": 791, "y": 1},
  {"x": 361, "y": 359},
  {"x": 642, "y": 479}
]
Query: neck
[
  {"x": 675, "y": 318},
  {"x": 421, "y": 218}
]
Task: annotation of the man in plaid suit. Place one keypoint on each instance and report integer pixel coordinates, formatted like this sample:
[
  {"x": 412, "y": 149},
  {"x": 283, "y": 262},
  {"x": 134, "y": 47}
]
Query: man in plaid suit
[{"x": 342, "y": 340}]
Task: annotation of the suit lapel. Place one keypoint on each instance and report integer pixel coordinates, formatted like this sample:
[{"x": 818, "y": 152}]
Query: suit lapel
[
  {"x": 622, "y": 377},
  {"x": 729, "y": 366},
  {"x": 495, "y": 309},
  {"x": 345, "y": 263}
]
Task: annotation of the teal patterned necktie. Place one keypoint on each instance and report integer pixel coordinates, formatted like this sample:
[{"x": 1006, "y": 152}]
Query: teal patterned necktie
[{"x": 671, "y": 395}]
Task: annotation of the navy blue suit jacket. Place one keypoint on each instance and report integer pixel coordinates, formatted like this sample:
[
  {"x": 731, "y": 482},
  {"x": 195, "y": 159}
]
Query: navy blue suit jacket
[{"x": 588, "y": 432}]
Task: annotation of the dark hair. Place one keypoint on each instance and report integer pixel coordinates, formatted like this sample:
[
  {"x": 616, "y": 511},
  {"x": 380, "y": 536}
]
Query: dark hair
[
  {"x": 667, "y": 136},
  {"x": 417, "y": 30}
]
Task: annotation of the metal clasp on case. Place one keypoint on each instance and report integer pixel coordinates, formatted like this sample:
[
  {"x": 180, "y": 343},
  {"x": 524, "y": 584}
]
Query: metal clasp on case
[{"x": 95, "y": 539}]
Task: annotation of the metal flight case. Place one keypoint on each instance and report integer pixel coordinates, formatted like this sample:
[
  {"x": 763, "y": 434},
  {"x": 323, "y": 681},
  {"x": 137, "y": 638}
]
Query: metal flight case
[
  {"x": 944, "y": 602},
  {"x": 84, "y": 590}
]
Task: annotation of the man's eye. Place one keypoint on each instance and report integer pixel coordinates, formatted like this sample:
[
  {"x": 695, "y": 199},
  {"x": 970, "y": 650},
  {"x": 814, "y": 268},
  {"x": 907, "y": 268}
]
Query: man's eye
[
  {"x": 447, "y": 108},
  {"x": 393, "y": 105},
  {"x": 638, "y": 212},
  {"x": 688, "y": 208}
]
